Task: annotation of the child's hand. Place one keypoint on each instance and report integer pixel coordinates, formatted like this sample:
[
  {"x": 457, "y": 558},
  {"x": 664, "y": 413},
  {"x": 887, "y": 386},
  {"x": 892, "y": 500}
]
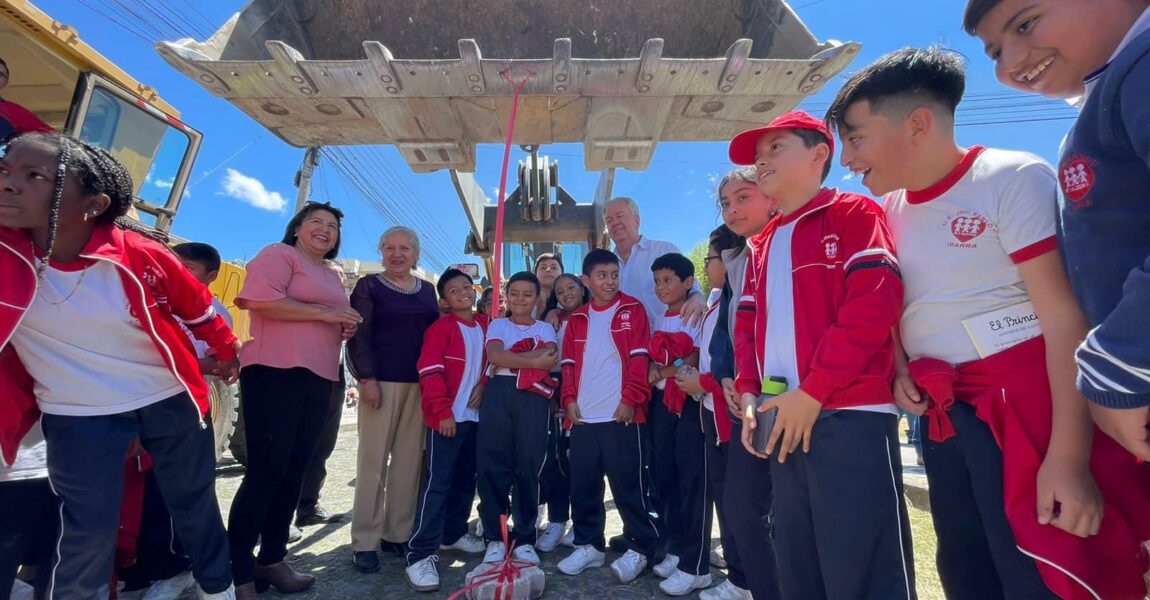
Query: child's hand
[
  {"x": 447, "y": 427},
  {"x": 1126, "y": 425},
  {"x": 351, "y": 396},
  {"x": 798, "y": 412},
  {"x": 228, "y": 370},
  {"x": 546, "y": 359},
  {"x": 208, "y": 365},
  {"x": 906, "y": 394},
  {"x": 734, "y": 403},
  {"x": 574, "y": 414},
  {"x": 476, "y": 396},
  {"x": 653, "y": 375},
  {"x": 1068, "y": 497},
  {"x": 625, "y": 414},
  {"x": 689, "y": 382}
]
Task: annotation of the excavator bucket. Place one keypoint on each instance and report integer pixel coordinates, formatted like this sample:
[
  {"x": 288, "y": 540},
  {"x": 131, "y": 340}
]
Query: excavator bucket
[{"x": 618, "y": 77}]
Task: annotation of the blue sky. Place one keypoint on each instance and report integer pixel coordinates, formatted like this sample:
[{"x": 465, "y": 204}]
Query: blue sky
[{"x": 243, "y": 173}]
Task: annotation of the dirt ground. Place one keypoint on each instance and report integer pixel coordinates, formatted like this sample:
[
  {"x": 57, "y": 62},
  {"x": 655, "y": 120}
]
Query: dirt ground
[{"x": 325, "y": 551}]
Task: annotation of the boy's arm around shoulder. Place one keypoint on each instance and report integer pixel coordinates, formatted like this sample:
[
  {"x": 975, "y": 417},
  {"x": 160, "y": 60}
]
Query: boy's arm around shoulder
[
  {"x": 192, "y": 302},
  {"x": 432, "y": 365},
  {"x": 636, "y": 390},
  {"x": 871, "y": 307}
]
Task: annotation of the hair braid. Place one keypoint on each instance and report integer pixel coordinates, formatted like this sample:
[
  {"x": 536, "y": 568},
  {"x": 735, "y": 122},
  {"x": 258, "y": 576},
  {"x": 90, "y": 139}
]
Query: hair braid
[{"x": 54, "y": 208}]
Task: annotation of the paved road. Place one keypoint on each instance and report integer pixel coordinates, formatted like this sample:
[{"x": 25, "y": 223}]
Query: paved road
[{"x": 325, "y": 551}]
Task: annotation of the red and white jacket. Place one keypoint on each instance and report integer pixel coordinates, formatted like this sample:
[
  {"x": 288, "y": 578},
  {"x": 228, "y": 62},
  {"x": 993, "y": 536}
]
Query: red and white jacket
[
  {"x": 631, "y": 332},
  {"x": 442, "y": 363},
  {"x": 848, "y": 295},
  {"x": 159, "y": 291}
]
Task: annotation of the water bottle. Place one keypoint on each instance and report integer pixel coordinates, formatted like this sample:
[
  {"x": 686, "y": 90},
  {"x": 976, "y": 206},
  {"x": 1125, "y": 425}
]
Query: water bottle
[{"x": 765, "y": 421}]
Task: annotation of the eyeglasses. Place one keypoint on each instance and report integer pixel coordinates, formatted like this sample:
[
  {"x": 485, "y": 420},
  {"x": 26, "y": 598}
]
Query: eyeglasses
[{"x": 707, "y": 260}]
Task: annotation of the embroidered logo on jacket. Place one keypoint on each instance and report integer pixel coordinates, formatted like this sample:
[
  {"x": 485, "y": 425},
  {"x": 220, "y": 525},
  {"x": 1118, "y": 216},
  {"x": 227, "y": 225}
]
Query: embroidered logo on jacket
[
  {"x": 831, "y": 246},
  {"x": 1076, "y": 176}
]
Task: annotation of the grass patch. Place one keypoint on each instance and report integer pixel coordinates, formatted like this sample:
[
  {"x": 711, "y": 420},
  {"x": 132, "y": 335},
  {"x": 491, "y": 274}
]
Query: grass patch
[{"x": 925, "y": 544}]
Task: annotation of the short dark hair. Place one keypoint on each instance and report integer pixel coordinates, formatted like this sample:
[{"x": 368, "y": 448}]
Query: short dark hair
[
  {"x": 920, "y": 75},
  {"x": 597, "y": 257},
  {"x": 4, "y": 63},
  {"x": 722, "y": 239},
  {"x": 812, "y": 138},
  {"x": 484, "y": 297},
  {"x": 975, "y": 12},
  {"x": 447, "y": 276},
  {"x": 308, "y": 208},
  {"x": 680, "y": 265},
  {"x": 205, "y": 254},
  {"x": 527, "y": 276},
  {"x": 548, "y": 256}
]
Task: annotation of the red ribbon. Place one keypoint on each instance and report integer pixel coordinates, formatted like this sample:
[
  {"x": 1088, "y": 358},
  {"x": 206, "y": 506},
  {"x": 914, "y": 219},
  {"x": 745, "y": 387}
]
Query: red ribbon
[
  {"x": 504, "y": 574},
  {"x": 497, "y": 265}
]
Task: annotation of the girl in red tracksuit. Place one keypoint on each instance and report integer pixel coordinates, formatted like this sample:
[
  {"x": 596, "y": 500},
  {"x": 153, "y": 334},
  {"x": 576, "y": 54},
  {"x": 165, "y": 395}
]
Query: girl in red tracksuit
[
  {"x": 451, "y": 382},
  {"x": 89, "y": 337}
]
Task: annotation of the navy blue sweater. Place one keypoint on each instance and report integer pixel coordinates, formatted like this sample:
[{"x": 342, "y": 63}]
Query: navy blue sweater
[{"x": 1104, "y": 228}]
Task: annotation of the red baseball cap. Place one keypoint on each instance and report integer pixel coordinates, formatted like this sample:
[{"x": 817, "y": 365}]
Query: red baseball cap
[{"x": 742, "y": 148}]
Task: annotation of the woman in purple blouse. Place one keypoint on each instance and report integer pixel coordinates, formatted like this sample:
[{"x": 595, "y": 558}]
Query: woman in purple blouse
[{"x": 397, "y": 308}]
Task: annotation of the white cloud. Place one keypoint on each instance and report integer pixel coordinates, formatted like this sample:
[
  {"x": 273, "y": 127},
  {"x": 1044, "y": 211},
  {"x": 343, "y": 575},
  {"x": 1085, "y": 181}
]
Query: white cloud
[
  {"x": 164, "y": 184},
  {"x": 849, "y": 176},
  {"x": 250, "y": 190}
]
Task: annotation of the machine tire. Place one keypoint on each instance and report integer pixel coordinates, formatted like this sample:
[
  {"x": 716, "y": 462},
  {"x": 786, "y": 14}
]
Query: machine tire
[{"x": 225, "y": 401}]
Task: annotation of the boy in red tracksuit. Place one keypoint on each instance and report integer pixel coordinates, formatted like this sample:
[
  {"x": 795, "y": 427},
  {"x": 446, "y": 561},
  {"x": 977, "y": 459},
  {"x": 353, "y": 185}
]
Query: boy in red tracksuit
[
  {"x": 605, "y": 391},
  {"x": 821, "y": 296},
  {"x": 677, "y": 435},
  {"x": 451, "y": 382}
]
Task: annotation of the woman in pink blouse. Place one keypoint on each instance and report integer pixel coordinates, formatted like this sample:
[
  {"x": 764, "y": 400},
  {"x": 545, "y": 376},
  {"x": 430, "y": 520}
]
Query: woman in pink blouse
[{"x": 299, "y": 317}]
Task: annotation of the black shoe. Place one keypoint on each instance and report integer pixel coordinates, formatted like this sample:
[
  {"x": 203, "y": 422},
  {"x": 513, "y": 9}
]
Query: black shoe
[
  {"x": 294, "y": 534},
  {"x": 397, "y": 548},
  {"x": 317, "y": 515},
  {"x": 365, "y": 562}
]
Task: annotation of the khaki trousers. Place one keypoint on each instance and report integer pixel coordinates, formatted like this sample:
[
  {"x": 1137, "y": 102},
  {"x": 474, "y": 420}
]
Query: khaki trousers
[{"x": 388, "y": 467}]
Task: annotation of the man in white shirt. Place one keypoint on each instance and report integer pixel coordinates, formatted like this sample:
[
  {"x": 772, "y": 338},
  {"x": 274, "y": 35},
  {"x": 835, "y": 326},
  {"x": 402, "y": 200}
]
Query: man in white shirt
[{"x": 636, "y": 254}]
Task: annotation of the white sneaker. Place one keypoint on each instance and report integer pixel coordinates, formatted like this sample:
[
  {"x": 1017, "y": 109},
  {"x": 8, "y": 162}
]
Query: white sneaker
[
  {"x": 629, "y": 566},
  {"x": 495, "y": 552},
  {"x": 228, "y": 594},
  {"x": 467, "y": 543},
  {"x": 526, "y": 553},
  {"x": 170, "y": 589},
  {"x": 551, "y": 537},
  {"x": 718, "y": 560},
  {"x": 726, "y": 591},
  {"x": 681, "y": 583},
  {"x": 423, "y": 576},
  {"x": 569, "y": 539},
  {"x": 668, "y": 567},
  {"x": 582, "y": 558}
]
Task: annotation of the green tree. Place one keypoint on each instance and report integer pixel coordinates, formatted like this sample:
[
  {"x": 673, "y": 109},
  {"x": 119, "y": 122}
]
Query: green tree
[{"x": 697, "y": 255}]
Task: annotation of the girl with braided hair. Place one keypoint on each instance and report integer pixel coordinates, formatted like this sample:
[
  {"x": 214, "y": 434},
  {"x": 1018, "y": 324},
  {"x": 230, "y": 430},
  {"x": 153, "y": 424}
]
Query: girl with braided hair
[{"x": 90, "y": 345}]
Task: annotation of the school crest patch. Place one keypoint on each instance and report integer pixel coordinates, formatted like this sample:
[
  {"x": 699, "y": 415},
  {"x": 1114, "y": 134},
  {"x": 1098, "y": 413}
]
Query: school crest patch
[{"x": 1076, "y": 176}]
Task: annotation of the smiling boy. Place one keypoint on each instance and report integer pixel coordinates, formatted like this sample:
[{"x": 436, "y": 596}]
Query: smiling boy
[
  {"x": 1097, "y": 51},
  {"x": 822, "y": 293}
]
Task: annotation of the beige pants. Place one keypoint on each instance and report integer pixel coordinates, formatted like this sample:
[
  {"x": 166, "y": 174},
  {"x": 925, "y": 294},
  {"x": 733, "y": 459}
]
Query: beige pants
[{"x": 388, "y": 467}]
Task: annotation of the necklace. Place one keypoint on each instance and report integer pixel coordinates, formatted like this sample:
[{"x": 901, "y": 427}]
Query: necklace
[
  {"x": 415, "y": 286},
  {"x": 70, "y": 294}
]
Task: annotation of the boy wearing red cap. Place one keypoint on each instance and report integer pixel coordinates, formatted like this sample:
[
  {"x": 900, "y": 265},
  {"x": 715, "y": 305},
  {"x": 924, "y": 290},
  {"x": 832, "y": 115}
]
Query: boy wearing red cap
[{"x": 825, "y": 267}]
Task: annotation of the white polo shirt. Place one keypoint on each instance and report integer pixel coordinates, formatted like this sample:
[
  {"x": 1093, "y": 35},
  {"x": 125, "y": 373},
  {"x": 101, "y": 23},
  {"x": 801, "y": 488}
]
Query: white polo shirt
[
  {"x": 960, "y": 242},
  {"x": 635, "y": 277}
]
